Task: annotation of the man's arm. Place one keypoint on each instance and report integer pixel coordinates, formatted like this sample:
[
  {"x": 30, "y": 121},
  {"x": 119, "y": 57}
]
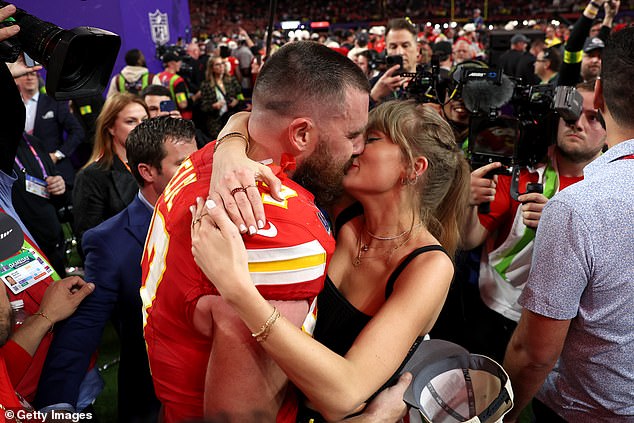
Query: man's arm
[
  {"x": 531, "y": 354},
  {"x": 78, "y": 337}
]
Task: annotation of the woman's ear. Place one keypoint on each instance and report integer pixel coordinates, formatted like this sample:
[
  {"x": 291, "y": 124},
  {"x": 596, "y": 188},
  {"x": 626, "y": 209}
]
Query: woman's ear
[
  {"x": 420, "y": 166},
  {"x": 301, "y": 134}
]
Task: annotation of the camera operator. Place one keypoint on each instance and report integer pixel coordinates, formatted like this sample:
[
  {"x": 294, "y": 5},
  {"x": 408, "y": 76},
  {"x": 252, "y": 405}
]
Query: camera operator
[
  {"x": 507, "y": 232},
  {"x": 400, "y": 40}
]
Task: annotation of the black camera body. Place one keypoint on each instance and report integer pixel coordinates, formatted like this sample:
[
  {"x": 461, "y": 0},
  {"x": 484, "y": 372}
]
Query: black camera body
[
  {"x": 79, "y": 61},
  {"x": 520, "y": 132}
]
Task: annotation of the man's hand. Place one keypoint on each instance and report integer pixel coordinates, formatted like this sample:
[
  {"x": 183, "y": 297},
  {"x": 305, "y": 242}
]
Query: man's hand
[
  {"x": 388, "y": 406},
  {"x": 18, "y": 68},
  {"x": 62, "y": 298},
  {"x": 611, "y": 9},
  {"x": 387, "y": 84},
  {"x": 9, "y": 31},
  {"x": 483, "y": 188},
  {"x": 55, "y": 185},
  {"x": 532, "y": 206}
]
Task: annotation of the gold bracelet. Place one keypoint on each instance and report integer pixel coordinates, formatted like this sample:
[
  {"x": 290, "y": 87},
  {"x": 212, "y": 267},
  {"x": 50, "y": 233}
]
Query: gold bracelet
[
  {"x": 264, "y": 331},
  {"x": 41, "y": 313},
  {"x": 229, "y": 136}
]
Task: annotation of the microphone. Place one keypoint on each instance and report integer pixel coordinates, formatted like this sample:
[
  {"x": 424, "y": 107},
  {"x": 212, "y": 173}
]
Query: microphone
[{"x": 482, "y": 95}]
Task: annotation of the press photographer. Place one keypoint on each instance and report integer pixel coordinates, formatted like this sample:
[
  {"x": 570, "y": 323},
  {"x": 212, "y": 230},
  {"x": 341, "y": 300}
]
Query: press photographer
[{"x": 508, "y": 230}]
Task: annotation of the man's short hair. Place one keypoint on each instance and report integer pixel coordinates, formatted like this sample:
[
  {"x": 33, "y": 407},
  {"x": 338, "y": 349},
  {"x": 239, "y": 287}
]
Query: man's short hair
[
  {"x": 617, "y": 72},
  {"x": 134, "y": 57},
  {"x": 306, "y": 74},
  {"x": 157, "y": 90},
  {"x": 145, "y": 142},
  {"x": 401, "y": 23}
]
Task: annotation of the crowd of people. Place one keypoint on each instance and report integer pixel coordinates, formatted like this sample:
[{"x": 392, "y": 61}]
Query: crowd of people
[{"x": 233, "y": 202}]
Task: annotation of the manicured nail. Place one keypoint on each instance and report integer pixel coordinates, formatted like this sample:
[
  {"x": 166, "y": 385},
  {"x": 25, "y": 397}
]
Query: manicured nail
[
  {"x": 210, "y": 204},
  {"x": 242, "y": 228},
  {"x": 260, "y": 224},
  {"x": 252, "y": 230},
  {"x": 192, "y": 209}
]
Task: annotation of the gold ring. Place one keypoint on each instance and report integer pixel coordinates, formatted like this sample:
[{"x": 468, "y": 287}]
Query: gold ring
[
  {"x": 250, "y": 186},
  {"x": 238, "y": 189}
]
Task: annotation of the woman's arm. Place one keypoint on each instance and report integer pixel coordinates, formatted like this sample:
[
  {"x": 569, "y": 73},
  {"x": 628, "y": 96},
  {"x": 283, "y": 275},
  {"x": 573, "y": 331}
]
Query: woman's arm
[
  {"x": 376, "y": 353},
  {"x": 232, "y": 168}
]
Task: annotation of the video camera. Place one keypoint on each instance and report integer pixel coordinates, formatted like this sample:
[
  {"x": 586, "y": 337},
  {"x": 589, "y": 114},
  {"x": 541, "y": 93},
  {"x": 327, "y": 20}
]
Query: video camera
[
  {"x": 514, "y": 123},
  {"x": 79, "y": 61}
]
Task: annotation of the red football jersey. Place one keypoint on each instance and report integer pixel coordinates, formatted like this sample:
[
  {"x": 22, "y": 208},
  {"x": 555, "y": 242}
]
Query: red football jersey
[{"x": 287, "y": 261}]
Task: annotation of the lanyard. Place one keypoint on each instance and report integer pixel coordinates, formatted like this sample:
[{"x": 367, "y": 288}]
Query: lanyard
[{"x": 21, "y": 166}]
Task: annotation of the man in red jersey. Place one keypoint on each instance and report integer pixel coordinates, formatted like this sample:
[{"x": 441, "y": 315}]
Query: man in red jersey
[{"x": 309, "y": 111}]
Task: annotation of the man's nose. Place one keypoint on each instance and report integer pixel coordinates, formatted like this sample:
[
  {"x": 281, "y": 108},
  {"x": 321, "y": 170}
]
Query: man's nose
[{"x": 358, "y": 145}]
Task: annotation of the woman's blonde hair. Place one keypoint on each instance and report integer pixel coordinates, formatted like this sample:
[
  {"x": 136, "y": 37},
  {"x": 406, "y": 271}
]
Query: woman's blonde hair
[
  {"x": 103, "y": 149},
  {"x": 440, "y": 195},
  {"x": 209, "y": 72}
]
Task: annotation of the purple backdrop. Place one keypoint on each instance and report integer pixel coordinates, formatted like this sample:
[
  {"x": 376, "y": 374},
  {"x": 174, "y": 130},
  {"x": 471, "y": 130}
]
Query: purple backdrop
[{"x": 127, "y": 18}]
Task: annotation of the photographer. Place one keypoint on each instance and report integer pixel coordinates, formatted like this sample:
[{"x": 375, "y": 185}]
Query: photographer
[
  {"x": 507, "y": 232},
  {"x": 400, "y": 40},
  {"x": 47, "y": 299}
]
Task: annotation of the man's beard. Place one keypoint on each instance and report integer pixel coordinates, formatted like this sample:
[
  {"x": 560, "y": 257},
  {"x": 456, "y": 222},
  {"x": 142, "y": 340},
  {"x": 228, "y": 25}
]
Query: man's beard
[
  {"x": 579, "y": 155},
  {"x": 6, "y": 324},
  {"x": 322, "y": 175}
]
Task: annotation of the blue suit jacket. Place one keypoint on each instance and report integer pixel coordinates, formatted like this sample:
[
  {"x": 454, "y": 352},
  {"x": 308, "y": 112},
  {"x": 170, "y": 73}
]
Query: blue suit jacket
[
  {"x": 113, "y": 263},
  {"x": 52, "y": 119}
]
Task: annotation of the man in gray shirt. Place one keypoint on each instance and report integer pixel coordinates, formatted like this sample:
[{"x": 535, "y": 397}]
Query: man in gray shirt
[{"x": 574, "y": 345}]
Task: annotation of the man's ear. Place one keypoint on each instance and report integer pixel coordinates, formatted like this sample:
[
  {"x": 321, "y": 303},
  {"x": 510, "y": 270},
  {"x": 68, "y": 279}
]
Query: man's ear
[
  {"x": 599, "y": 101},
  {"x": 301, "y": 134},
  {"x": 147, "y": 172}
]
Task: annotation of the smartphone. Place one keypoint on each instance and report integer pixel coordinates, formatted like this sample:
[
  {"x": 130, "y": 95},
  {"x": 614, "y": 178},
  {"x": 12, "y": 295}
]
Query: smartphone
[
  {"x": 167, "y": 106},
  {"x": 395, "y": 60},
  {"x": 29, "y": 62}
]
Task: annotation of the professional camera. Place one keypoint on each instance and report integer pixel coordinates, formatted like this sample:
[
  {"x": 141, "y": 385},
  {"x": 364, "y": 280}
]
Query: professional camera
[
  {"x": 426, "y": 85},
  {"x": 514, "y": 123},
  {"x": 79, "y": 61}
]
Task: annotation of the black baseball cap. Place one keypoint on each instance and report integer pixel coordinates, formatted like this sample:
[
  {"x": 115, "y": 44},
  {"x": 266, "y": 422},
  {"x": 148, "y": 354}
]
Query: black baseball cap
[{"x": 593, "y": 43}]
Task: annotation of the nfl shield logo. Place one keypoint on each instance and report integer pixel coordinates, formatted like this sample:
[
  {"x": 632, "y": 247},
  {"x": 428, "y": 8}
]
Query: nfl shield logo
[{"x": 160, "y": 27}]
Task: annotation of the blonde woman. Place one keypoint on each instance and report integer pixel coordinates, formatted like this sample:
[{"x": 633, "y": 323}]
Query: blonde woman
[{"x": 105, "y": 185}]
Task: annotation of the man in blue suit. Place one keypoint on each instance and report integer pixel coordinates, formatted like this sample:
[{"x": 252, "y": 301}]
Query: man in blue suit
[
  {"x": 48, "y": 119},
  {"x": 155, "y": 149}
]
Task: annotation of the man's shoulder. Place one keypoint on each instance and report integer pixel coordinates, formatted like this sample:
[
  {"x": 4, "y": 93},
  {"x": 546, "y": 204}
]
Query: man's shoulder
[{"x": 108, "y": 230}]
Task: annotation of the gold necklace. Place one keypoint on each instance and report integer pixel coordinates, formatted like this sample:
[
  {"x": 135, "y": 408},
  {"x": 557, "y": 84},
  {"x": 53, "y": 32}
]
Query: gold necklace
[{"x": 363, "y": 247}]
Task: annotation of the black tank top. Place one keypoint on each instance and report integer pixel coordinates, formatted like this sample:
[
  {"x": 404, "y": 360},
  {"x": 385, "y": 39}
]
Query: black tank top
[{"x": 339, "y": 322}]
